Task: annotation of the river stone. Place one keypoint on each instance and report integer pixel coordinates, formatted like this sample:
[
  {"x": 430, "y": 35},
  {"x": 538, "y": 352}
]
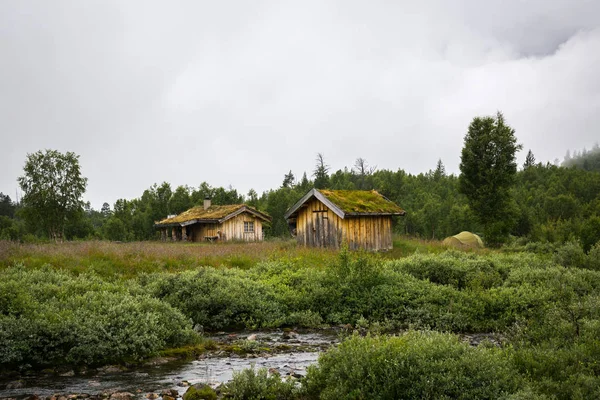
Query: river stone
[
  {"x": 152, "y": 396},
  {"x": 167, "y": 397},
  {"x": 111, "y": 369},
  {"x": 251, "y": 337},
  {"x": 288, "y": 335},
  {"x": 170, "y": 392},
  {"x": 15, "y": 384}
]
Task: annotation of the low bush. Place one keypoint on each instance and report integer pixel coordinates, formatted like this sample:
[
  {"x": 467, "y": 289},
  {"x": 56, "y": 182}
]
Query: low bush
[
  {"x": 570, "y": 255},
  {"x": 250, "y": 384},
  {"x": 415, "y": 365},
  {"x": 218, "y": 298},
  {"x": 48, "y": 317},
  {"x": 200, "y": 392}
]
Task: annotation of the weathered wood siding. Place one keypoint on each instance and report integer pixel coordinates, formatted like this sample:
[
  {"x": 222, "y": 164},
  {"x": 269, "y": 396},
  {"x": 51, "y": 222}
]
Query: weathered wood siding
[
  {"x": 318, "y": 226},
  {"x": 371, "y": 233},
  {"x": 200, "y": 231},
  {"x": 233, "y": 229}
]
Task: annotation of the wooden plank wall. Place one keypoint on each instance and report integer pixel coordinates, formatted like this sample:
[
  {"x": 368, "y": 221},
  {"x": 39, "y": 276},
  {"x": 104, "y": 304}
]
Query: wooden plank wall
[
  {"x": 200, "y": 231},
  {"x": 317, "y": 226},
  {"x": 371, "y": 233},
  {"x": 232, "y": 229}
]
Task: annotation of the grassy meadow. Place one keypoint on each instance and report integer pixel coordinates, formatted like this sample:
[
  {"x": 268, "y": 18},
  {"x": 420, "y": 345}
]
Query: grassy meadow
[{"x": 95, "y": 303}]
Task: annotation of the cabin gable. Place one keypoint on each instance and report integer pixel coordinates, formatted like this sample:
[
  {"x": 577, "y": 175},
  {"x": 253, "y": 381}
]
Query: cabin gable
[
  {"x": 215, "y": 223},
  {"x": 317, "y": 221}
]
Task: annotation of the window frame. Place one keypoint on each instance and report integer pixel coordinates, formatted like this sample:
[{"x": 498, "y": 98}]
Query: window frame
[{"x": 248, "y": 226}]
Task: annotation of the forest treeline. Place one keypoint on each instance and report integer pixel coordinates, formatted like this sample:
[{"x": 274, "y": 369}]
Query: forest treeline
[
  {"x": 584, "y": 159},
  {"x": 551, "y": 203}
]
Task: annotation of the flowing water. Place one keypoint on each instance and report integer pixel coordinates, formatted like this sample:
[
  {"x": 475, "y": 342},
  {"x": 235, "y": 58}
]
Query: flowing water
[{"x": 295, "y": 353}]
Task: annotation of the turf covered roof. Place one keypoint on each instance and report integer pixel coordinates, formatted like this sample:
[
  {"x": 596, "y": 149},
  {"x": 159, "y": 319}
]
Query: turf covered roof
[
  {"x": 214, "y": 213},
  {"x": 350, "y": 202},
  {"x": 361, "y": 201}
]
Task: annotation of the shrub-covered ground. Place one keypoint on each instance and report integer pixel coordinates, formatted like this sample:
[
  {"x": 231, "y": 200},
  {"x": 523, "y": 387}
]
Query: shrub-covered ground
[{"x": 96, "y": 303}]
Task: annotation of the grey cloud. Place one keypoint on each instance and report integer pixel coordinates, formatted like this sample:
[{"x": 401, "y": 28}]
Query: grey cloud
[{"x": 241, "y": 92}]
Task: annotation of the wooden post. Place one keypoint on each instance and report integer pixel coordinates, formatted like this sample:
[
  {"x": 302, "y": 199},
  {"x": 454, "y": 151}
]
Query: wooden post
[
  {"x": 174, "y": 234},
  {"x": 163, "y": 234},
  {"x": 184, "y": 234}
]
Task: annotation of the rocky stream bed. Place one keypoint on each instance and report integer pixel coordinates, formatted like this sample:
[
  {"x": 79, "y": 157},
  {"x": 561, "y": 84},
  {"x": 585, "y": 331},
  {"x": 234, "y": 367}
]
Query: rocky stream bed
[{"x": 283, "y": 352}]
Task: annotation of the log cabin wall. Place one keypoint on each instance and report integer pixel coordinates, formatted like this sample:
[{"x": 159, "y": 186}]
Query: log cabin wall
[
  {"x": 233, "y": 229},
  {"x": 318, "y": 226}
]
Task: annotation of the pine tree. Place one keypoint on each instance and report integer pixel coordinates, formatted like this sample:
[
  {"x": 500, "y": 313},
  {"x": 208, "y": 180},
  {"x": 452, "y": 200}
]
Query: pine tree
[
  {"x": 321, "y": 173},
  {"x": 529, "y": 160},
  {"x": 488, "y": 168}
]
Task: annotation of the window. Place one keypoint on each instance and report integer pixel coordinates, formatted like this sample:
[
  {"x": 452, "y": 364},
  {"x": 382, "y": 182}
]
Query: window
[{"x": 249, "y": 227}]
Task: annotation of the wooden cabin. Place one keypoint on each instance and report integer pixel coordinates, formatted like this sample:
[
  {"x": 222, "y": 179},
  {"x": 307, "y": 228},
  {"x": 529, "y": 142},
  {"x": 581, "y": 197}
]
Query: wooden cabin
[
  {"x": 328, "y": 218},
  {"x": 214, "y": 223}
]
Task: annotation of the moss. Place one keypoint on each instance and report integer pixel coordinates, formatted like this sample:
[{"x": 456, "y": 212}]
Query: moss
[
  {"x": 200, "y": 392},
  {"x": 187, "y": 352},
  {"x": 211, "y": 213},
  {"x": 361, "y": 201}
]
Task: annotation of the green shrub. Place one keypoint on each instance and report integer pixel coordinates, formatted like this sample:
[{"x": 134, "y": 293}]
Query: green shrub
[
  {"x": 594, "y": 257},
  {"x": 454, "y": 268},
  {"x": 200, "y": 392},
  {"x": 48, "y": 317},
  {"x": 258, "y": 385},
  {"x": 570, "y": 255},
  {"x": 218, "y": 298},
  {"x": 415, "y": 365}
]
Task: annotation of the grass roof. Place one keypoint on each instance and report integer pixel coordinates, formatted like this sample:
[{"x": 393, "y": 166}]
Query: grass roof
[
  {"x": 361, "y": 201},
  {"x": 214, "y": 212}
]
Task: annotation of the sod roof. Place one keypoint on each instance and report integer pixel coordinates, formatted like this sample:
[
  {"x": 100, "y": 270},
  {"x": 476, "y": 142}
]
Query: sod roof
[
  {"x": 361, "y": 201},
  {"x": 214, "y": 213},
  {"x": 350, "y": 202}
]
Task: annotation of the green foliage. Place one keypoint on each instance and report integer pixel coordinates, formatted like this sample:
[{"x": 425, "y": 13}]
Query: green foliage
[
  {"x": 250, "y": 384},
  {"x": 415, "y": 365},
  {"x": 548, "y": 314},
  {"x": 48, "y": 317},
  {"x": 10, "y": 229},
  {"x": 7, "y": 207},
  {"x": 570, "y": 255},
  {"x": 200, "y": 392},
  {"x": 488, "y": 170},
  {"x": 53, "y": 188},
  {"x": 114, "y": 229},
  {"x": 529, "y": 160},
  {"x": 321, "y": 172},
  {"x": 586, "y": 160},
  {"x": 594, "y": 257},
  {"x": 218, "y": 299},
  {"x": 180, "y": 201}
]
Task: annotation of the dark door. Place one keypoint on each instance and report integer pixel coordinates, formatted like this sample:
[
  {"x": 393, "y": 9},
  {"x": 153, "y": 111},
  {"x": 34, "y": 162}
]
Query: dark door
[{"x": 321, "y": 230}]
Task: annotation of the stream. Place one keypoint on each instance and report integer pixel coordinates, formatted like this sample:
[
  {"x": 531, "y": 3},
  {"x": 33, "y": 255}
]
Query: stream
[{"x": 288, "y": 353}]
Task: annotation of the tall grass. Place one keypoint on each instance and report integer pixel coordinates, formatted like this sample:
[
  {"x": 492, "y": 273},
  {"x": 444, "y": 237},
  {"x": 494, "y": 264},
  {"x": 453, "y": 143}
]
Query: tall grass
[{"x": 128, "y": 260}]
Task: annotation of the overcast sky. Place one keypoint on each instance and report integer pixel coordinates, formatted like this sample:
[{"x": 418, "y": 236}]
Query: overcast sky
[{"x": 239, "y": 92}]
